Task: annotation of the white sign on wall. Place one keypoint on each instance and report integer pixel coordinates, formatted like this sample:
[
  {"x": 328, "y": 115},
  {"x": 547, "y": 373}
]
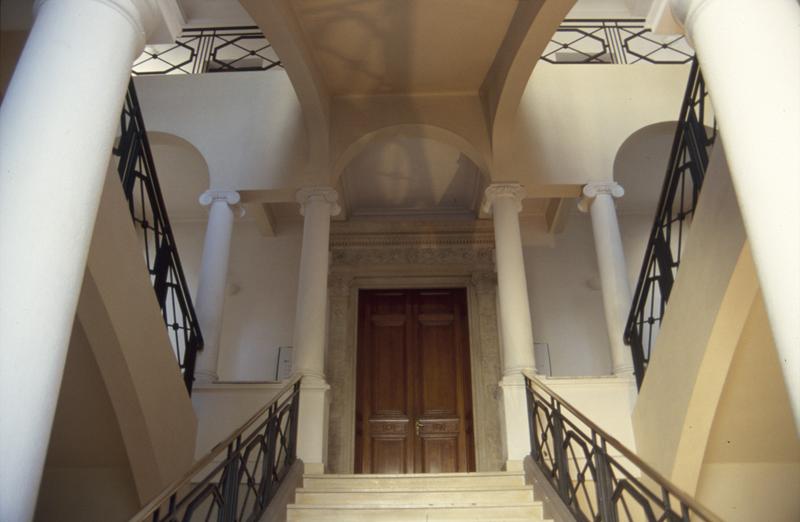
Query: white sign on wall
[{"x": 283, "y": 368}]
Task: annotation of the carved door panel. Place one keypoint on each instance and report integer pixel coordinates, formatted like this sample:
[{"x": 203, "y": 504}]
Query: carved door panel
[{"x": 414, "y": 410}]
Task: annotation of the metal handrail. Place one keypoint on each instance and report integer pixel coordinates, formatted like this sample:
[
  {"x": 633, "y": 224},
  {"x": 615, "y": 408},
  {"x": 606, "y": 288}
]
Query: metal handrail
[
  {"x": 685, "y": 173},
  {"x": 216, "y": 451},
  {"x": 137, "y": 173},
  {"x": 608, "y": 439}
]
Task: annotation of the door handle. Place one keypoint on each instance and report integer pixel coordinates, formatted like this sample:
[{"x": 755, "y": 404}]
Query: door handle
[{"x": 417, "y": 426}]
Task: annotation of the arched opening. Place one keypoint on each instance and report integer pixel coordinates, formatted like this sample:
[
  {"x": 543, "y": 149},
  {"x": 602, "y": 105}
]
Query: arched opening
[{"x": 411, "y": 171}]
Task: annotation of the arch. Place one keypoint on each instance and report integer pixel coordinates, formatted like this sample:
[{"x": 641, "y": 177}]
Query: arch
[
  {"x": 416, "y": 130},
  {"x": 183, "y": 173},
  {"x": 528, "y": 34},
  {"x": 639, "y": 166}
]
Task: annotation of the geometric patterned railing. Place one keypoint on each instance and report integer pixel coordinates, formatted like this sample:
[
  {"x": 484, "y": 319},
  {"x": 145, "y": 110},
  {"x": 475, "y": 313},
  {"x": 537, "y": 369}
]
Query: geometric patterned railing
[
  {"x": 695, "y": 136},
  {"x": 614, "y": 41},
  {"x": 214, "y": 49},
  {"x": 239, "y": 478},
  {"x": 244, "y": 48},
  {"x": 137, "y": 173},
  {"x": 584, "y": 465}
]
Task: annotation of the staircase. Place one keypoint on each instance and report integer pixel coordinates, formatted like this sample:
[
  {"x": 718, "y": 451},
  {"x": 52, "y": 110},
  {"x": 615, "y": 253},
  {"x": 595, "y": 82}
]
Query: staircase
[{"x": 495, "y": 496}]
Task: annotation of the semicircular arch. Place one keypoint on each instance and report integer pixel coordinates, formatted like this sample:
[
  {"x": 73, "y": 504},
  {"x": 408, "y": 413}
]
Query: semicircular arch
[{"x": 415, "y": 130}]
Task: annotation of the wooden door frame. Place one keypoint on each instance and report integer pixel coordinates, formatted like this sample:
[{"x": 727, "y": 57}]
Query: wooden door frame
[{"x": 483, "y": 349}]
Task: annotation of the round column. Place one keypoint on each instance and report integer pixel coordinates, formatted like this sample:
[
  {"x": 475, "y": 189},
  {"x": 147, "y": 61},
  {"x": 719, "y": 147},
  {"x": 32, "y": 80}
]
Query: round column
[
  {"x": 317, "y": 205},
  {"x": 57, "y": 126},
  {"x": 754, "y": 81},
  {"x": 598, "y": 200},
  {"x": 223, "y": 208},
  {"x": 504, "y": 201}
]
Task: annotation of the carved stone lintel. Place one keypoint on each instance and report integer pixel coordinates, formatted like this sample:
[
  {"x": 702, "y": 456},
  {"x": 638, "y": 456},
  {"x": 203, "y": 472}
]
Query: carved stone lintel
[
  {"x": 496, "y": 191},
  {"x": 308, "y": 195},
  {"x": 414, "y": 256},
  {"x": 231, "y": 197},
  {"x": 594, "y": 189}
]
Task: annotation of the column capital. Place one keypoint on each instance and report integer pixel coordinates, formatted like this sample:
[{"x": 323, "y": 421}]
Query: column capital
[
  {"x": 496, "y": 191},
  {"x": 231, "y": 197},
  {"x": 308, "y": 195},
  {"x": 592, "y": 190}
]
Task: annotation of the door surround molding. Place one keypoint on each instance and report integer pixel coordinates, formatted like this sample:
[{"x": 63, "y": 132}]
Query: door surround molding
[{"x": 446, "y": 255}]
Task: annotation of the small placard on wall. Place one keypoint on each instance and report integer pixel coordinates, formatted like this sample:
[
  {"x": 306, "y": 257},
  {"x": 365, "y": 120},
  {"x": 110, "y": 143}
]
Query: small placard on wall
[{"x": 283, "y": 368}]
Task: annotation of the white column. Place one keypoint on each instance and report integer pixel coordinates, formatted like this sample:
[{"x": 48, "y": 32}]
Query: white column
[
  {"x": 749, "y": 52},
  {"x": 317, "y": 205},
  {"x": 223, "y": 208},
  {"x": 57, "y": 126},
  {"x": 504, "y": 201},
  {"x": 598, "y": 200}
]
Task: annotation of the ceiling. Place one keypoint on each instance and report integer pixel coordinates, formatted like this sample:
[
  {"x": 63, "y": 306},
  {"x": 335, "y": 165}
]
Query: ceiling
[{"x": 388, "y": 46}]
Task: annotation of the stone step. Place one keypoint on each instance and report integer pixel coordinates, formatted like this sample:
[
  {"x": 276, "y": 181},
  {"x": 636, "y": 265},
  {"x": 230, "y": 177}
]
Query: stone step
[
  {"x": 415, "y": 497},
  {"x": 411, "y": 482},
  {"x": 528, "y": 512}
]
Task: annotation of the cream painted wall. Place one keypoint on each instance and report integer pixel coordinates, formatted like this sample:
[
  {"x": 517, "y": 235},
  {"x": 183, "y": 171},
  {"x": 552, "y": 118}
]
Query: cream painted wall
[
  {"x": 247, "y": 125},
  {"x": 594, "y": 109},
  {"x": 710, "y": 302},
  {"x": 118, "y": 311},
  {"x": 751, "y": 468},
  {"x": 566, "y": 303},
  {"x": 260, "y": 298},
  {"x": 87, "y": 474}
]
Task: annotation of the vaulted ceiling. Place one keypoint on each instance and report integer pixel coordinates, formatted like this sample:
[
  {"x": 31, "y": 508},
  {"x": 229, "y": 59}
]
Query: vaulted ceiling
[{"x": 387, "y": 46}]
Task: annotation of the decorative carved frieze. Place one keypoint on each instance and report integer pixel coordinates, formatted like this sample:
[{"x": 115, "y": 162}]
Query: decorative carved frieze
[{"x": 411, "y": 255}]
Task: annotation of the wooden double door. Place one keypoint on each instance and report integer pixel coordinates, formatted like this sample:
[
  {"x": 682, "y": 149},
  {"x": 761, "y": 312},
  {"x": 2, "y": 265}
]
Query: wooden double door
[{"x": 414, "y": 399}]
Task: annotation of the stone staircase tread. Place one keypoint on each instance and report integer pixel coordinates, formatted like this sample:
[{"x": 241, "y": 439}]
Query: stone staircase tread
[
  {"x": 395, "y": 507},
  {"x": 406, "y": 489},
  {"x": 476, "y": 474}
]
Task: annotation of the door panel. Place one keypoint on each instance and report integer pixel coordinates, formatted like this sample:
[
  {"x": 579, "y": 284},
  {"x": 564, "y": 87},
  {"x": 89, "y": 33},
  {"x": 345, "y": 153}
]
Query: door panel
[{"x": 414, "y": 410}]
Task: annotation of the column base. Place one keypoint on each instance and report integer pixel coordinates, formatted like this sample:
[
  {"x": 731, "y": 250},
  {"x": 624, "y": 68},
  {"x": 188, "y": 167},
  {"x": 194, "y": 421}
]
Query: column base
[
  {"x": 312, "y": 436},
  {"x": 515, "y": 431}
]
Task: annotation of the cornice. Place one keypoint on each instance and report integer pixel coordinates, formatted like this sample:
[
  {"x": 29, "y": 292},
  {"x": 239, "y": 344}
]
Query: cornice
[{"x": 473, "y": 234}]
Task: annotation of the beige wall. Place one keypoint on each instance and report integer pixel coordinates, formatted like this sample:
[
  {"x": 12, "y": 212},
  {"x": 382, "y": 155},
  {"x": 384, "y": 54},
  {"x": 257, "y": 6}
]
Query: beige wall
[
  {"x": 118, "y": 312},
  {"x": 672, "y": 417},
  {"x": 248, "y": 125},
  {"x": 713, "y": 413},
  {"x": 566, "y": 303},
  {"x": 87, "y": 475},
  {"x": 261, "y": 295},
  {"x": 751, "y": 468}
]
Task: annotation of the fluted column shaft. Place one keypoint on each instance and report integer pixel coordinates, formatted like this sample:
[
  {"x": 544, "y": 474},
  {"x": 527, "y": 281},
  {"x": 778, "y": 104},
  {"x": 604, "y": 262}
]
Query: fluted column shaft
[
  {"x": 57, "y": 126},
  {"x": 210, "y": 302},
  {"x": 598, "y": 200}
]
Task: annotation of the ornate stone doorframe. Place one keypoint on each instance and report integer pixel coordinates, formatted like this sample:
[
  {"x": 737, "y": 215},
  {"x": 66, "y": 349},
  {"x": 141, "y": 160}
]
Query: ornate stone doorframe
[{"x": 393, "y": 255}]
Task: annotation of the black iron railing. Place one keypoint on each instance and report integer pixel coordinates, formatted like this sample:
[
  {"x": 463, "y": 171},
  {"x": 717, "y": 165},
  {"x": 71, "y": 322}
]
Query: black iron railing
[
  {"x": 614, "y": 41},
  {"x": 137, "y": 172},
  {"x": 209, "y": 49},
  {"x": 680, "y": 191},
  {"x": 239, "y": 478},
  {"x": 597, "y": 478}
]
